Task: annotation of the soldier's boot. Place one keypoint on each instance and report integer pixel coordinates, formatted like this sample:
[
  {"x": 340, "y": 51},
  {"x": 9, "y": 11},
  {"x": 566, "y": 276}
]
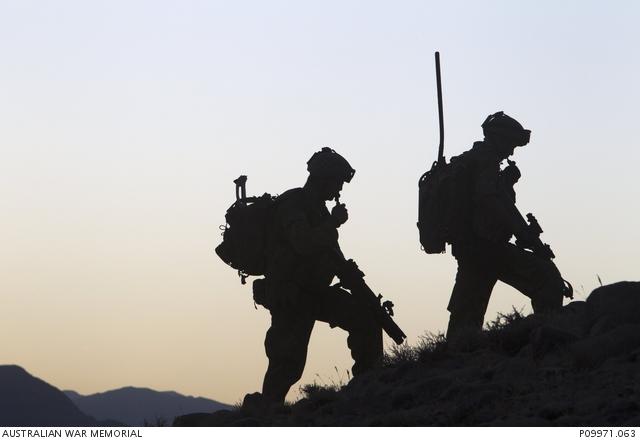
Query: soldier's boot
[
  {"x": 255, "y": 404},
  {"x": 464, "y": 327},
  {"x": 366, "y": 348}
]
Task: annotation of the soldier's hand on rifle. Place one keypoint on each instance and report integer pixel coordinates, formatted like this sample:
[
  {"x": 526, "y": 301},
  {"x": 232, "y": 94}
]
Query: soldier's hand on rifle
[
  {"x": 339, "y": 214},
  {"x": 349, "y": 273},
  {"x": 525, "y": 238}
]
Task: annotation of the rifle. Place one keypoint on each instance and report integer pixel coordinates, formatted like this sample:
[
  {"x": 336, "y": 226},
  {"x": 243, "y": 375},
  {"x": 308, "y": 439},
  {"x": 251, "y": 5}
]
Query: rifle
[
  {"x": 533, "y": 242},
  {"x": 353, "y": 279}
]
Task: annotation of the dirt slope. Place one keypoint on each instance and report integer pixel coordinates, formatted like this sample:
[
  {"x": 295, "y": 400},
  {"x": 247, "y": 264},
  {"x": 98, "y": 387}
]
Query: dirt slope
[{"x": 580, "y": 367}]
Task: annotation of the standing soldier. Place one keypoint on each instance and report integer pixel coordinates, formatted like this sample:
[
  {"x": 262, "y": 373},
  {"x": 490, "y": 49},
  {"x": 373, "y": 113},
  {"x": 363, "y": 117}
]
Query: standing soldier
[
  {"x": 302, "y": 258},
  {"x": 482, "y": 246}
]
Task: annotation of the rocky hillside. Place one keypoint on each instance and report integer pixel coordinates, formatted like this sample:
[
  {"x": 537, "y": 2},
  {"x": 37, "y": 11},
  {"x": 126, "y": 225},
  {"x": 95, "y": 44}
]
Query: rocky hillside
[{"x": 579, "y": 367}]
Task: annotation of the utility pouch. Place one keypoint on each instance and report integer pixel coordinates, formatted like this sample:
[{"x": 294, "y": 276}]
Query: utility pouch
[{"x": 260, "y": 292}]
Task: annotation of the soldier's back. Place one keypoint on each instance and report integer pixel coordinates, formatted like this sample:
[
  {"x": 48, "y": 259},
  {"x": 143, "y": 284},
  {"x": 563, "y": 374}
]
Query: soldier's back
[{"x": 291, "y": 254}]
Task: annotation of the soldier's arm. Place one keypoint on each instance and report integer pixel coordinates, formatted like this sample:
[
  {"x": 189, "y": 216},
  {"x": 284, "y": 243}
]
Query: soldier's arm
[
  {"x": 508, "y": 179},
  {"x": 304, "y": 238},
  {"x": 489, "y": 200}
]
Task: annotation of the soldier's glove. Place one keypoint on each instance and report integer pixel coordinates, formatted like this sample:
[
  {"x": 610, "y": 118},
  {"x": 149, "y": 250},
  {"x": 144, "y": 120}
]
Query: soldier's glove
[
  {"x": 339, "y": 214},
  {"x": 511, "y": 173}
]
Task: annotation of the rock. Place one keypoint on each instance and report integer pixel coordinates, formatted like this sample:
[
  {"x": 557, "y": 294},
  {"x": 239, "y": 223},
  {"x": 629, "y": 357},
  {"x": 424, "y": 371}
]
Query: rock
[
  {"x": 546, "y": 339},
  {"x": 553, "y": 411},
  {"x": 569, "y": 421},
  {"x": 634, "y": 421},
  {"x": 602, "y": 325},
  {"x": 402, "y": 399},
  {"x": 255, "y": 404},
  {"x": 594, "y": 350},
  {"x": 524, "y": 421},
  {"x": 248, "y": 422},
  {"x": 216, "y": 419},
  {"x": 620, "y": 301},
  {"x": 517, "y": 335},
  {"x": 434, "y": 386},
  {"x": 573, "y": 318}
]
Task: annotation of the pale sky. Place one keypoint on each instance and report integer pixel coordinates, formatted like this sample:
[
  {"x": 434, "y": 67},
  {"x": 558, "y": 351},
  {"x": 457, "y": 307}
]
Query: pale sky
[{"x": 124, "y": 123}]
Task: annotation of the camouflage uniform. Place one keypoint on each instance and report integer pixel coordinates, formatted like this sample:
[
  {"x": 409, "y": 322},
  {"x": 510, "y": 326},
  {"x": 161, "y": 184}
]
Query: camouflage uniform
[
  {"x": 297, "y": 292},
  {"x": 484, "y": 253}
]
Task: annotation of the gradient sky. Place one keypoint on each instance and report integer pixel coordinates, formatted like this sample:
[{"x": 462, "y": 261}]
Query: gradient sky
[{"x": 124, "y": 123}]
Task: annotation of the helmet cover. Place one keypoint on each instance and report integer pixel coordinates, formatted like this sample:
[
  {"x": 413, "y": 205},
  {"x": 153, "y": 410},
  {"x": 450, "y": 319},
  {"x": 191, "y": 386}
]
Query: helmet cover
[
  {"x": 328, "y": 164},
  {"x": 502, "y": 127}
]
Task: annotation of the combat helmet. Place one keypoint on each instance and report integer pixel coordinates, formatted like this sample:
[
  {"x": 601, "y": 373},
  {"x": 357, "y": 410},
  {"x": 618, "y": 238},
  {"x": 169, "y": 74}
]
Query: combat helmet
[
  {"x": 328, "y": 164},
  {"x": 500, "y": 126}
]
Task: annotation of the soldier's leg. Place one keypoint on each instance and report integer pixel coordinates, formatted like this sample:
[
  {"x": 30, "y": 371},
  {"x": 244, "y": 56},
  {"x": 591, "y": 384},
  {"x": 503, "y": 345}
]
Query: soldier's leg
[
  {"x": 339, "y": 308},
  {"x": 538, "y": 279},
  {"x": 286, "y": 347},
  {"x": 475, "y": 280}
]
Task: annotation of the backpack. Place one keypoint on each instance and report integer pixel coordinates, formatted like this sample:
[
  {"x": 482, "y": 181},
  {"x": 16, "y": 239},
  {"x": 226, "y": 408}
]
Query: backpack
[
  {"x": 443, "y": 204},
  {"x": 244, "y": 237}
]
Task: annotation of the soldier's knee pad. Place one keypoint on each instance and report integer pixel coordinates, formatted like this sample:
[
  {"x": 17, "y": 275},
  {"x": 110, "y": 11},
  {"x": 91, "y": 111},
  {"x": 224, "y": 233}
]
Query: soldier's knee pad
[
  {"x": 365, "y": 322},
  {"x": 553, "y": 289},
  {"x": 289, "y": 365}
]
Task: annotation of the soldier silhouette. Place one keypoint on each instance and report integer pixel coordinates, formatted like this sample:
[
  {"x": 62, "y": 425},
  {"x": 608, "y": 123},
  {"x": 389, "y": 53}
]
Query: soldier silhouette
[
  {"x": 482, "y": 245},
  {"x": 300, "y": 266}
]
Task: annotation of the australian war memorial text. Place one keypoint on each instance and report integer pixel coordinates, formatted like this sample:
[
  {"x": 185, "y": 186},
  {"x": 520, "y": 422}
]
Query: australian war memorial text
[{"x": 71, "y": 433}]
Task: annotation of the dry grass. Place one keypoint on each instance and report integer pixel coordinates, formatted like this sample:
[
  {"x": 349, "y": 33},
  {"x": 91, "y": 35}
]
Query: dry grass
[
  {"x": 321, "y": 389},
  {"x": 430, "y": 346}
]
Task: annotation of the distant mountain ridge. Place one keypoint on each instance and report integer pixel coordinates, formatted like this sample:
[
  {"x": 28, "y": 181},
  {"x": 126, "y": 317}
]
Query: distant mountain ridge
[
  {"x": 137, "y": 406},
  {"x": 28, "y": 401}
]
